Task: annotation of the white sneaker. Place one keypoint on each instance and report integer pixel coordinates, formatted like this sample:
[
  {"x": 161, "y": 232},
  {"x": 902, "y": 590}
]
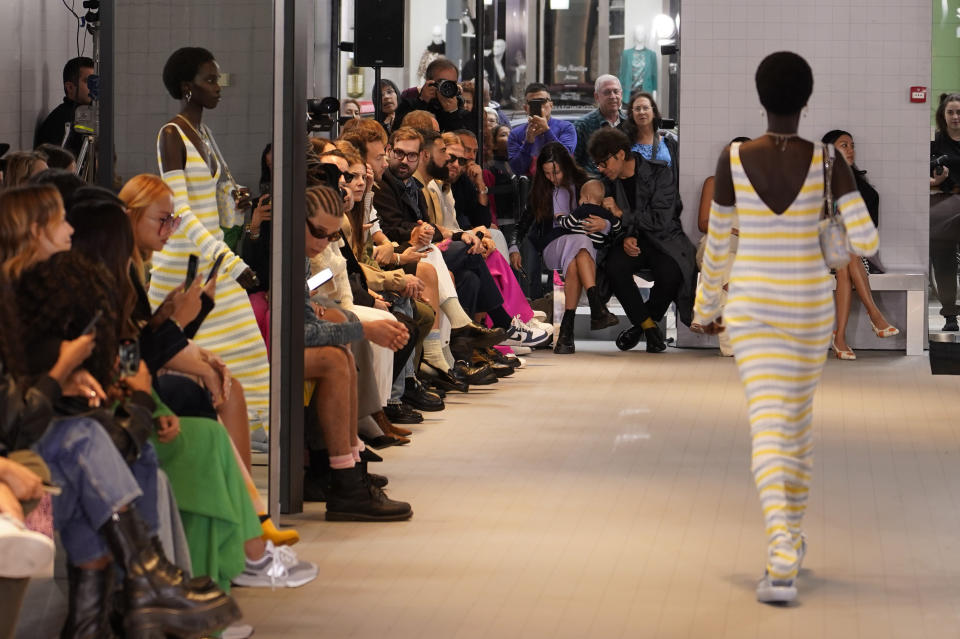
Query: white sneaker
[
  {"x": 522, "y": 350},
  {"x": 520, "y": 334},
  {"x": 540, "y": 316},
  {"x": 547, "y": 327},
  {"x": 237, "y": 631},
  {"x": 23, "y": 552},
  {"x": 776, "y": 590},
  {"x": 279, "y": 568}
]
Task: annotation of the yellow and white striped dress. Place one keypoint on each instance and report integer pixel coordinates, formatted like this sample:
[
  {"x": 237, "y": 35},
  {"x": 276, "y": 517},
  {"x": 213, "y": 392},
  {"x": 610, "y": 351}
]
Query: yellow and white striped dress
[
  {"x": 780, "y": 315},
  {"x": 230, "y": 330}
]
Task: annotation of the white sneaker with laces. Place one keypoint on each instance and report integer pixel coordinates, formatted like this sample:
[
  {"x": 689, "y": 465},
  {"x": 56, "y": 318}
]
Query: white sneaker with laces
[
  {"x": 521, "y": 334},
  {"x": 23, "y": 552},
  {"x": 540, "y": 316},
  {"x": 537, "y": 323},
  {"x": 279, "y": 568}
]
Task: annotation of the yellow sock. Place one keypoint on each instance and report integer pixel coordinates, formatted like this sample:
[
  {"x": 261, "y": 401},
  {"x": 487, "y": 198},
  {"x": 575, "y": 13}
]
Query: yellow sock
[{"x": 647, "y": 323}]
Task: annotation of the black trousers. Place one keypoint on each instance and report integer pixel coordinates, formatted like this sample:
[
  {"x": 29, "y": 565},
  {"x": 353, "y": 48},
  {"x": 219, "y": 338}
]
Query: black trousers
[
  {"x": 667, "y": 280},
  {"x": 476, "y": 288}
]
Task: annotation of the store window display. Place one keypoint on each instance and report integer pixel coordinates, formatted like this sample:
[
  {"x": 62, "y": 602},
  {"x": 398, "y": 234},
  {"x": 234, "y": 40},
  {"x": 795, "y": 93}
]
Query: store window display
[
  {"x": 436, "y": 49},
  {"x": 638, "y": 66}
]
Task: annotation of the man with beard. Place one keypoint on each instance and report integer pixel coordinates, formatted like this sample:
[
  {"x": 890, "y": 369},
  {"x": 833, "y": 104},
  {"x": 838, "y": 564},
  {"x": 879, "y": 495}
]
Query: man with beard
[{"x": 400, "y": 201}]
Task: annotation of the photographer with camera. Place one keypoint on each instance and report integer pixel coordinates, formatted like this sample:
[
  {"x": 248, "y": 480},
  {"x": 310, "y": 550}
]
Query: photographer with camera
[
  {"x": 526, "y": 140},
  {"x": 75, "y": 93},
  {"x": 945, "y": 206},
  {"x": 439, "y": 95}
]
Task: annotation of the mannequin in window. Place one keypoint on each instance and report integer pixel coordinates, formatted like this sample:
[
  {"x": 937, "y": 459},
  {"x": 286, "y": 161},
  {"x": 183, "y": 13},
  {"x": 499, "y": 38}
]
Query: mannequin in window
[
  {"x": 638, "y": 66},
  {"x": 497, "y": 78},
  {"x": 434, "y": 50}
]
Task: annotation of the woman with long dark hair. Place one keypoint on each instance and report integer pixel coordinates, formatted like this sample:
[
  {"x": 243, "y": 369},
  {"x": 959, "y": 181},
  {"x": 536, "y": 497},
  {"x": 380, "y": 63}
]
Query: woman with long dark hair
[
  {"x": 945, "y": 206},
  {"x": 562, "y": 238}
]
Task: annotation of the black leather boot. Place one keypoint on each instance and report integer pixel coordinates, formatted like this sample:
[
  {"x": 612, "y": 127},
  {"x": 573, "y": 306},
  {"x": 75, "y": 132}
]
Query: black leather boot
[
  {"x": 88, "y": 615},
  {"x": 316, "y": 477},
  {"x": 564, "y": 344},
  {"x": 600, "y": 316},
  {"x": 156, "y": 604},
  {"x": 354, "y": 498}
]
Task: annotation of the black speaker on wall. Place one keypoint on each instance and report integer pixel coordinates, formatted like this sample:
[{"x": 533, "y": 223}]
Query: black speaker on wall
[{"x": 378, "y": 33}]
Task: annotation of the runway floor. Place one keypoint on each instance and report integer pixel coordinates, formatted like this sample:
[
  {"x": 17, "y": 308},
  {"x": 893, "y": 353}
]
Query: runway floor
[{"x": 608, "y": 495}]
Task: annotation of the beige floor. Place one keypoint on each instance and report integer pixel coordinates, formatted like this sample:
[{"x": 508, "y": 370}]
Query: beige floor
[{"x": 608, "y": 495}]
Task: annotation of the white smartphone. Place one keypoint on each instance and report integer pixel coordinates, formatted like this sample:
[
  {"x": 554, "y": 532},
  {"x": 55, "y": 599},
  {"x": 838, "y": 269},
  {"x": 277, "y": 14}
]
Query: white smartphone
[{"x": 319, "y": 279}]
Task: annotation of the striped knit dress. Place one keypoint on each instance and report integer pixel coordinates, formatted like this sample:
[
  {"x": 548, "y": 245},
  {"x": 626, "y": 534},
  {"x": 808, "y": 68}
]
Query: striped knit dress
[
  {"x": 230, "y": 330},
  {"x": 780, "y": 315}
]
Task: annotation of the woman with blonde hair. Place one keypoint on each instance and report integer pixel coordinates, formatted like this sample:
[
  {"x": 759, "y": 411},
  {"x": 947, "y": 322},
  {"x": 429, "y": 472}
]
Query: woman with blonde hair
[{"x": 20, "y": 166}]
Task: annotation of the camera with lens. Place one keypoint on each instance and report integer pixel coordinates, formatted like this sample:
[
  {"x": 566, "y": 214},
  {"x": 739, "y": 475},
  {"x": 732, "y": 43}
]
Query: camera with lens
[
  {"x": 937, "y": 164},
  {"x": 321, "y": 114},
  {"x": 448, "y": 88}
]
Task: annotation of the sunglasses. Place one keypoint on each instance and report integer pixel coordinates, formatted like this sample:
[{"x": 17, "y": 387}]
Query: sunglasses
[
  {"x": 455, "y": 158},
  {"x": 169, "y": 223},
  {"x": 320, "y": 235},
  {"x": 409, "y": 157}
]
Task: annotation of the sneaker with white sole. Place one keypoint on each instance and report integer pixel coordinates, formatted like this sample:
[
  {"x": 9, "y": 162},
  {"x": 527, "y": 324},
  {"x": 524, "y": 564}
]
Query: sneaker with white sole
[
  {"x": 540, "y": 316},
  {"x": 278, "y": 568},
  {"x": 538, "y": 324},
  {"x": 522, "y": 350},
  {"x": 23, "y": 552},
  {"x": 237, "y": 631},
  {"x": 776, "y": 590},
  {"x": 521, "y": 334}
]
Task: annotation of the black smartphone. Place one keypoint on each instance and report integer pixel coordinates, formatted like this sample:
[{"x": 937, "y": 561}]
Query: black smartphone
[
  {"x": 536, "y": 107},
  {"x": 92, "y": 326},
  {"x": 129, "y": 356},
  {"x": 192, "y": 264},
  {"x": 216, "y": 267}
]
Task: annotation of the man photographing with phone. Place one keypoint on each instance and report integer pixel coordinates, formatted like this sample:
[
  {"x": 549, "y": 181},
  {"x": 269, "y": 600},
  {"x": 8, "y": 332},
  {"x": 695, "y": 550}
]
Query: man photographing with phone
[
  {"x": 437, "y": 97},
  {"x": 526, "y": 140}
]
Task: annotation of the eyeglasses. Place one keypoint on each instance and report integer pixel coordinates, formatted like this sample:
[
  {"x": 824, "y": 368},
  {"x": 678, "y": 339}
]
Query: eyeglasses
[
  {"x": 602, "y": 164},
  {"x": 320, "y": 235},
  {"x": 642, "y": 109},
  {"x": 169, "y": 223},
  {"x": 455, "y": 158},
  {"x": 409, "y": 157}
]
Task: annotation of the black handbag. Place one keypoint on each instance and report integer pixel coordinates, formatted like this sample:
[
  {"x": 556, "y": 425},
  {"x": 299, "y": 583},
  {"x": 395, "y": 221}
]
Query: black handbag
[{"x": 129, "y": 425}]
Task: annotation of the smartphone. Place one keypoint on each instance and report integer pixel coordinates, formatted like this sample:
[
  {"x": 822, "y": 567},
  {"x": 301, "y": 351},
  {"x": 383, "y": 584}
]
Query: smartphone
[
  {"x": 129, "y": 355},
  {"x": 216, "y": 267},
  {"x": 319, "y": 279},
  {"x": 536, "y": 108},
  {"x": 192, "y": 264},
  {"x": 266, "y": 200},
  {"x": 92, "y": 326},
  {"x": 424, "y": 249}
]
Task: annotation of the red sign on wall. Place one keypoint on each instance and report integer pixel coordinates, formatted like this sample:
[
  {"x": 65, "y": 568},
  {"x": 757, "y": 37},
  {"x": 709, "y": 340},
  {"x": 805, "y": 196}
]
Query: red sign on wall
[{"x": 918, "y": 94}]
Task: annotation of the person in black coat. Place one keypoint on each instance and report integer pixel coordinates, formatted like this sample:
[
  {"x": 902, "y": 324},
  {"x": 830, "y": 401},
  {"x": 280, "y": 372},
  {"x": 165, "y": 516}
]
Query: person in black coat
[{"x": 450, "y": 112}]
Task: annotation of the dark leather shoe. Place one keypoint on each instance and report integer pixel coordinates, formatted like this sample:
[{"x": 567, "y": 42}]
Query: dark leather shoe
[
  {"x": 419, "y": 397},
  {"x": 500, "y": 370},
  {"x": 603, "y": 319},
  {"x": 950, "y": 324},
  {"x": 479, "y": 336},
  {"x": 444, "y": 380},
  {"x": 496, "y": 356},
  {"x": 401, "y": 414},
  {"x": 473, "y": 375},
  {"x": 629, "y": 338},
  {"x": 367, "y": 455},
  {"x": 388, "y": 427},
  {"x": 655, "y": 343},
  {"x": 383, "y": 441}
]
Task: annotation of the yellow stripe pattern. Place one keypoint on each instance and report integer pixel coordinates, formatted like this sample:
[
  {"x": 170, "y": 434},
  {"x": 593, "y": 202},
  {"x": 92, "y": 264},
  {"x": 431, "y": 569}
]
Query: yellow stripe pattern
[
  {"x": 231, "y": 329},
  {"x": 780, "y": 314}
]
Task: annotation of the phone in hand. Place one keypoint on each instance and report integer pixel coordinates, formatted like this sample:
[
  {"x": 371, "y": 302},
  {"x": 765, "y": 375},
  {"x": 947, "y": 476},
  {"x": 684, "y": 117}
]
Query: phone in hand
[
  {"x": 425, "y": 248},
  {"x": 192, "y": 264},
  {"x": 92, "y": 326},
  {"x": 216, "y": 267},
  {"x": 319, "y": 279},
  {"x": 129, "y": 356},
  {"x": 536, "y": 108}
]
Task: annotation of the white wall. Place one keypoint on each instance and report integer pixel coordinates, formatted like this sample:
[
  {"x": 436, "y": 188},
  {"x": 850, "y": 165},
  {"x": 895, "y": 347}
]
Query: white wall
[
  {"x": 864, "y": 57},
  {"x": 36, "y": 39}
]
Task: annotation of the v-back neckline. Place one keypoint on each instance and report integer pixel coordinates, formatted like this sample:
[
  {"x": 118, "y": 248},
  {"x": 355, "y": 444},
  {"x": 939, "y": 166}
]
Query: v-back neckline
[{"x": 800, "y": 191}]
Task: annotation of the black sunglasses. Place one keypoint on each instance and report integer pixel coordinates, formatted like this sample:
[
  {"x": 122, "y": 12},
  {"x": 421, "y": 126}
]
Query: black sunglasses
[
  {"x": 320, "y": 235},
  {"x": 458, "y": 159}
]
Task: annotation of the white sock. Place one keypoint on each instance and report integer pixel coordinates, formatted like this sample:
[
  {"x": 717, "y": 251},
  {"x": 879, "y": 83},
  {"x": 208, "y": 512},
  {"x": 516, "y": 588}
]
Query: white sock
[
  {"x": 433, "y": 351},
  {"x": 448, "y": 355},
  {"x": 454, "y": 312}
]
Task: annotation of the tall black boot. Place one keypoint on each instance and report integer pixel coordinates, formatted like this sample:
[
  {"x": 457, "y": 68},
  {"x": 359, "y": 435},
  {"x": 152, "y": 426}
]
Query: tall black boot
[
  {"x": 316, "y": 478},
  {"x": 600, "y": 316},
  {"x": 564, "y": 344},
  {"x": 88, "y": 615},
  {"x": 156, "y": 603},
  {"x": 354, "y": 498}
]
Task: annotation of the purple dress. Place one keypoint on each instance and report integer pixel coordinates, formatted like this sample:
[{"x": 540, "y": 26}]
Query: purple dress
[{"x": 559, "y": 253}]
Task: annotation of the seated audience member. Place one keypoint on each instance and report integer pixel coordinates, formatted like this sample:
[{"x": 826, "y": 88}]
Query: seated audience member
[
  {"x": 57, "y": 157},
  {"x": 652, "y": 239},
  {"x": 66, "y": 183},
  {"x": 856, "y": 273},
  {"x": 486, "y": 185},
  {"x": 609, "y": 97},
  {"x": 642, "y": 127},
  {"x": 550, "y": 229},
  {"x": 389, "y": 99},
  {"x": 449, "y": 112},
  {"x": 525, "y": 141},
  {"x": 254, "y": 245},
  {"x": 350, "y": 108},
  {"x": 20, "y": 166},
  {"x": 703, "y": 223},
  {"x": 352, "y": 493},
  {"x": 421, "y": 121},
  {"x": 54, "y": 127}
]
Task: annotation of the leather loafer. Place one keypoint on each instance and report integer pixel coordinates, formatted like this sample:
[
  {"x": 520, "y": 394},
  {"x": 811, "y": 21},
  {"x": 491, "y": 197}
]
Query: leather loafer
[
  {"x": 479, "y": 336},
  {"x": 655, "y": 343},
  {"x": 419, "y": 397},
  {"x": 628, "y": 338},
  {"x": 383, "y": 441},
  {"x": 500, "y": 370},
  {"x": 388, "y": 427},
  {"x": 496, "y": 356},
  {"x": 444, "y": 380},
  {"x": 474, "y": 375},
  {"x": 402, "y": 414}
]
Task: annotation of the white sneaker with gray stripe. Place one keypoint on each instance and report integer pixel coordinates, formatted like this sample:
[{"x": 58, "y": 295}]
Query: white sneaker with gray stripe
[{"x": 278, "y": 568}]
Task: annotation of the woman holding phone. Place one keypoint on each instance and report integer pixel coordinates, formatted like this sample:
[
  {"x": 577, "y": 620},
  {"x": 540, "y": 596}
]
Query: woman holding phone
[{"x": 190, "y": 167}]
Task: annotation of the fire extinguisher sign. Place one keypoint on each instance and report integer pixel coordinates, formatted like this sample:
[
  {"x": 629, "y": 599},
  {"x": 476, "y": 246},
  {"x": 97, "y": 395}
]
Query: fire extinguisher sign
[{"x": 918, "y": 94}]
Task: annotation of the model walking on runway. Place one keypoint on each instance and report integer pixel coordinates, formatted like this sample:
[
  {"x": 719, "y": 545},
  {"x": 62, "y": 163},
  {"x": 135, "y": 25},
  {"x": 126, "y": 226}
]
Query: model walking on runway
[{"x": 780, "y": 310}]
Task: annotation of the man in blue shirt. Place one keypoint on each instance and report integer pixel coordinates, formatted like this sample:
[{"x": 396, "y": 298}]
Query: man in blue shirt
[{"x": 526, "y": 140}]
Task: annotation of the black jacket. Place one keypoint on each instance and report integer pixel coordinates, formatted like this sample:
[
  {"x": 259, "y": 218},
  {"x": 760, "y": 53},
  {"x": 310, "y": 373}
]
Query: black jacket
[
  {"x": 397, "y": 214},
  {"x": 51, "y": 129},
  {"x": 26, "y": 410},
  {"x": 448, "y": 121}
]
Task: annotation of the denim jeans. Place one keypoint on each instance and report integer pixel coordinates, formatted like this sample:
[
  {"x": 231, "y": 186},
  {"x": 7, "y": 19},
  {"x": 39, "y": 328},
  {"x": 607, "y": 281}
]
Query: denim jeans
[
  {"x": 403, "y": 305},
  {"x": 95, "y": 482}
]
